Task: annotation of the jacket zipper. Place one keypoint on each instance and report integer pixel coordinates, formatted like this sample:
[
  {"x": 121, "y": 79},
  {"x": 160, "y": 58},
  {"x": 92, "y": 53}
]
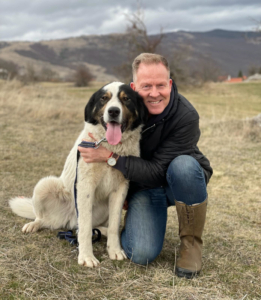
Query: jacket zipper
[{"x": 148, "y": 128}]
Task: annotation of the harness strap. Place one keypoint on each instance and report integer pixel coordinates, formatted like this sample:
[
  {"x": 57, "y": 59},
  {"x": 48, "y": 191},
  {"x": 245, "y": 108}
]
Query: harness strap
[
  {"x": 68, "y": 235},
  {"x": 72, "y": 239},
  {"x": 75, "y": 184}
]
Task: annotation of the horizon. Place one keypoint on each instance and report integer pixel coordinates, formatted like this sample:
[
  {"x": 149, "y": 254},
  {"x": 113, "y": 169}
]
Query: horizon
[{"x": 124, "y": 33}]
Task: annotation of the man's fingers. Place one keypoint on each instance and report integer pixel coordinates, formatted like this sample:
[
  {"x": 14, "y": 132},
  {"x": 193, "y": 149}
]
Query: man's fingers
[
  {"x": 91, "y": 136},
  {"x": 87, "y": 151}
]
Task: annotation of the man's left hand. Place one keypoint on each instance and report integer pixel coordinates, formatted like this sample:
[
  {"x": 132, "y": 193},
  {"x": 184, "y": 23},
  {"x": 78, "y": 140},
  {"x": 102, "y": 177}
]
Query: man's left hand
[{"x": 91, "y": 155}]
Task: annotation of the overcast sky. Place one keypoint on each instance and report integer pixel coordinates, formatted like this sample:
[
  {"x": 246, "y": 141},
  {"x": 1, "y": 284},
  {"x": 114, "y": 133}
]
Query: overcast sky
[{"x": 36, "y": 20}]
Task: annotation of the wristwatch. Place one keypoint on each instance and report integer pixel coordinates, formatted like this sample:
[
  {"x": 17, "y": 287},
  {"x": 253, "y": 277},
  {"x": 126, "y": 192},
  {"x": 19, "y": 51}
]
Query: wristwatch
[{"x": 112, "y": 159}]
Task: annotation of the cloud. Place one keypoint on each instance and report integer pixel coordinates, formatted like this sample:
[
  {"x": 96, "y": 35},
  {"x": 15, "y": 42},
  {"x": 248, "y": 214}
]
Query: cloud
[{"x": 39, "y": 19}]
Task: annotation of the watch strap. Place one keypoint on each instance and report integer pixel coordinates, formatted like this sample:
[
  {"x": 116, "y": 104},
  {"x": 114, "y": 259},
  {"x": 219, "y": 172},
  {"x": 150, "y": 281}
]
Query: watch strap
[
  {"x": 109, "y": 156},
  {"x": 116, "y": 156}
]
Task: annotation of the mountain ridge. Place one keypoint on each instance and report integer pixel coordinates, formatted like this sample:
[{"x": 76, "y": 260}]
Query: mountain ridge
[{"x": 231, "y": 51}]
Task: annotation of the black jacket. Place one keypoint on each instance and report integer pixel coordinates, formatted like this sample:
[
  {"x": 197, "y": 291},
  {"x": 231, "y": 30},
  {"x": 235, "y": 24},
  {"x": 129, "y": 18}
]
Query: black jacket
[{"x": 172, "y": 133}]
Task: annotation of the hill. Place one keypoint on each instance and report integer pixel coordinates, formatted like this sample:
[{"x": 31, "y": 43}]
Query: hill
[{"x": 231, "y": 51}]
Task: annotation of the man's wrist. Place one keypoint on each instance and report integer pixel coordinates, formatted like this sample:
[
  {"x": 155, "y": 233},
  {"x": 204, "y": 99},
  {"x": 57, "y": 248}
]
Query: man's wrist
[
  {"x": 112, "y": 159},
  {"x": 120, "y": 166}
]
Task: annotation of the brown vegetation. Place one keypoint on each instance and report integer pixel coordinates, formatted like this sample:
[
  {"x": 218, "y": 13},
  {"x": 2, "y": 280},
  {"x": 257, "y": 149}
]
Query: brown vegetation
[
  {"x": 39, "y": 124},
  {"x": 82, "y": 76}
]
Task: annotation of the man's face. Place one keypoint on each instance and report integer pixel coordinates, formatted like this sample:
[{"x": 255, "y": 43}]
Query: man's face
[{"x": 153, "y": 84}]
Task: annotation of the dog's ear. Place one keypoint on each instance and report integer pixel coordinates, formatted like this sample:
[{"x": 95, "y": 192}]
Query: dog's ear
[
  {"x": 88, "y": 113},
  {"x": 143, "y": 112}
]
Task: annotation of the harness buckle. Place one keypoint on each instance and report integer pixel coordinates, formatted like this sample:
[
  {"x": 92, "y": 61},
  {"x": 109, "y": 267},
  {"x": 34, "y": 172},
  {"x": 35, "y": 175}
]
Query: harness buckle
[{"x": 97, "y": 144}]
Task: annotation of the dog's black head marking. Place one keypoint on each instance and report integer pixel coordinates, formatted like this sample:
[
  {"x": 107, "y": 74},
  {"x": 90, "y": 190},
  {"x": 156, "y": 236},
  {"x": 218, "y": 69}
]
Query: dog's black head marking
[{"x": 135, "y": 112}]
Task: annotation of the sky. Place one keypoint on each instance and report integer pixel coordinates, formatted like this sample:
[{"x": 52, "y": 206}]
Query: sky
[{"x": 35, "y": 20}]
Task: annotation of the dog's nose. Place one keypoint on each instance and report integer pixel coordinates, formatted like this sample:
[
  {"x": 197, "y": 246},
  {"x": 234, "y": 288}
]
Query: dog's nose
[{"x": 114, "y": 111}]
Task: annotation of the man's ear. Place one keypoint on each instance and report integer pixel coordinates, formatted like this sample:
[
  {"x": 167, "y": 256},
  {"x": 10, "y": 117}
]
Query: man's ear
[{"x": 132, "y": 85}]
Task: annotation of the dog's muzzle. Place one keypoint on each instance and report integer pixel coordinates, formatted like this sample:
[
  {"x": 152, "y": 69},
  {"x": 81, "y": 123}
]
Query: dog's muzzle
[{"x": 114, "y": 113}]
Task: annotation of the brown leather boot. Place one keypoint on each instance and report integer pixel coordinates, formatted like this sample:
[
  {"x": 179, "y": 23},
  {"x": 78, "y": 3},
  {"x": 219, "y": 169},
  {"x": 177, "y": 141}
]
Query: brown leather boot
[{"x": 191, "y": 225}]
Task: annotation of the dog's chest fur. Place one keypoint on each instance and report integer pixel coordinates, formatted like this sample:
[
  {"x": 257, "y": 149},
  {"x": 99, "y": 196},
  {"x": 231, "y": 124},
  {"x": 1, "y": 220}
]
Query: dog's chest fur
[{"x": 103, "y": 177}]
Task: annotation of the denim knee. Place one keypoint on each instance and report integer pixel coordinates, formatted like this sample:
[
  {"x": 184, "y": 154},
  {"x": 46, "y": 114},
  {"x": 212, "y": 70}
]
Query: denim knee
[
  {"x": 186, "y": 180},
  {"x": 181, "y": 169},
  {"x": 139, "y": 254},
  {"x": 143, "y": 236}
]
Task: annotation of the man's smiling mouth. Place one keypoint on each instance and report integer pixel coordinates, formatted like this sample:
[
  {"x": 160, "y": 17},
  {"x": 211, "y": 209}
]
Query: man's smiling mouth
[{"x": 154, "y": 102}]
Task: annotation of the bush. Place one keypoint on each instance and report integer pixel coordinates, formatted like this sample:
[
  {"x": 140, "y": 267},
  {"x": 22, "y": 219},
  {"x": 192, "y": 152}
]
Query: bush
[
  {"x": 11, "y": 68},
  {"x": 83, "y": 76}
]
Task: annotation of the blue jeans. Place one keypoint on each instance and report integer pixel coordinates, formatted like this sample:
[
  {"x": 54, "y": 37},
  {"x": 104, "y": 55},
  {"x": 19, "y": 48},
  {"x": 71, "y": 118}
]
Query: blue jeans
[{"x": 143, "y": 235}]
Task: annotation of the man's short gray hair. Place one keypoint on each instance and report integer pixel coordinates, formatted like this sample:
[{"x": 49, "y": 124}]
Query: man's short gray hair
[{"x": 149, "y": 59}]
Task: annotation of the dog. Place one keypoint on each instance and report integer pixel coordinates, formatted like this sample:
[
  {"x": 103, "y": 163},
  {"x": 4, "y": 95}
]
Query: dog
[{"x": 117, "y": 113}]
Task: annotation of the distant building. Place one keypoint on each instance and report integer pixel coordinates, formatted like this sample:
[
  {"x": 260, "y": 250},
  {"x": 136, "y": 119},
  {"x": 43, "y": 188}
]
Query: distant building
[
  {"x": 230, "y": 79},
  {"x": 235, "y": 79}
]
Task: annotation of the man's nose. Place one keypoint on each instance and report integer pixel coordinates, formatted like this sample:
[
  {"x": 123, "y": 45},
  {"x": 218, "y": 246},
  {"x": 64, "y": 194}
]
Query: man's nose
[{"x": 154, "y": 92}]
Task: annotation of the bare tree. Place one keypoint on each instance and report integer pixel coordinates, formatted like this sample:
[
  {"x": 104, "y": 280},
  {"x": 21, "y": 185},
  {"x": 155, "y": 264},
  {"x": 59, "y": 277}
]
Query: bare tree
[
  {"x": 82, "y": 76},
  {"x": 138, "y": 34},
  {"x": 254, "y": 70},
  {"x": 178, "y": 69},
  {"x": 254, "y": 36},
  {"x": 30, "y": 75},
  {"x": 258, "y": 26},
  {"x": 11, "y": 68},
  {"x": 207, "y": 70},
  {"x": 47, "y": 74},
  {"x": 138, "y": 41}
]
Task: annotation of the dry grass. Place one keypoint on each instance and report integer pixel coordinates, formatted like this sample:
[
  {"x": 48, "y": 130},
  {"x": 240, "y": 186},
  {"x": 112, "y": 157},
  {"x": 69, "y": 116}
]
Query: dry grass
[{"x": 38, "y": 126}]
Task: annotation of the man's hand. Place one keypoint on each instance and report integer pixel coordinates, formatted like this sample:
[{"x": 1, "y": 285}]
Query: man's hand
[{"x": 91, "y": 155}]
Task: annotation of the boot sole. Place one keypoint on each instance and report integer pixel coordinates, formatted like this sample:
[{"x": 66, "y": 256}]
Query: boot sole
[{"x": 180, "y": 272}]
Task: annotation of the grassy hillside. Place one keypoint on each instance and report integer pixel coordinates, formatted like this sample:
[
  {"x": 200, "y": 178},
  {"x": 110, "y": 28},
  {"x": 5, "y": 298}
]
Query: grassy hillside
[
  {"x": 38, "y": 127},
  {"x": 230, "y": 51}
]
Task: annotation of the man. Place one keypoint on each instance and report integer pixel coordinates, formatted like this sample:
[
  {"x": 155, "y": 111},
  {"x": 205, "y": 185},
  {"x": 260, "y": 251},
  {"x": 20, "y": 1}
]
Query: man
[{"x": 170, "y": 171}]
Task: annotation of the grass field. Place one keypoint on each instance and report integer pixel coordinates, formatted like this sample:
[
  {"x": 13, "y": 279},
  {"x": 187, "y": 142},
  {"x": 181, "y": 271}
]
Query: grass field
[{"x": 38, "y": 126}]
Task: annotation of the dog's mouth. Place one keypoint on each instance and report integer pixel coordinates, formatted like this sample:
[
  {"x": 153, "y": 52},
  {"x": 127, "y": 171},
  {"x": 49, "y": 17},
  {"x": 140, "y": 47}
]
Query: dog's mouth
[{"x": 114, "y": 131}]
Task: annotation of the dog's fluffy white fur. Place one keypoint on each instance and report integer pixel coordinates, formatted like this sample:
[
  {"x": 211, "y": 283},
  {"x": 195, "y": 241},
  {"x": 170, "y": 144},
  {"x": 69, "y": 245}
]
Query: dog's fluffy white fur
[{"x": 101, "y": 193}]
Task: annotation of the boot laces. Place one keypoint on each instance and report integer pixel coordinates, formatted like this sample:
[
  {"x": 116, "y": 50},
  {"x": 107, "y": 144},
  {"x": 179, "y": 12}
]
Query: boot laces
[{"x": 189, "y": 213}]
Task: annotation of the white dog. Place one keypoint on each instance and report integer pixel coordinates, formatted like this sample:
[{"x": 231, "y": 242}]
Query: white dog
[{"x": 117, "y": 113}]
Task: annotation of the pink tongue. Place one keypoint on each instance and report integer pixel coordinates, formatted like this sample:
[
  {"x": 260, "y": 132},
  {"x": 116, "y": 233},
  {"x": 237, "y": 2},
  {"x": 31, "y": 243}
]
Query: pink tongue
[{"x": 113, "y": 133}]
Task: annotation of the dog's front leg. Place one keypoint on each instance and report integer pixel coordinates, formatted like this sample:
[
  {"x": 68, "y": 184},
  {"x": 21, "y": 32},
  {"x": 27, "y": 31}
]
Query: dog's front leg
[
  {"x": 116, "y": 201},
  {"x": 85, "y": 199}
]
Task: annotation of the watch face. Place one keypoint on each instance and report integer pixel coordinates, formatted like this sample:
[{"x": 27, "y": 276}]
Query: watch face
[{"x": 111, "y": 161}]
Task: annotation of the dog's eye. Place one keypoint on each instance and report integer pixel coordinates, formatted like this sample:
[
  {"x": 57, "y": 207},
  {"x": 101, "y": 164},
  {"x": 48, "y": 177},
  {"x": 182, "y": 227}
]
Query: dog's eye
[
  {"x": 125, "y": 99},
  {"x": 104, "y": 98}
]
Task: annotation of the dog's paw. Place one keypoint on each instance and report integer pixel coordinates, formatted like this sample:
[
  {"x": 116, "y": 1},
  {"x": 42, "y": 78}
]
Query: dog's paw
[
  {"x": 31, "y": 227},
  {"x": 88, "y": 261},
  {"x": 116, "y": 254}
]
